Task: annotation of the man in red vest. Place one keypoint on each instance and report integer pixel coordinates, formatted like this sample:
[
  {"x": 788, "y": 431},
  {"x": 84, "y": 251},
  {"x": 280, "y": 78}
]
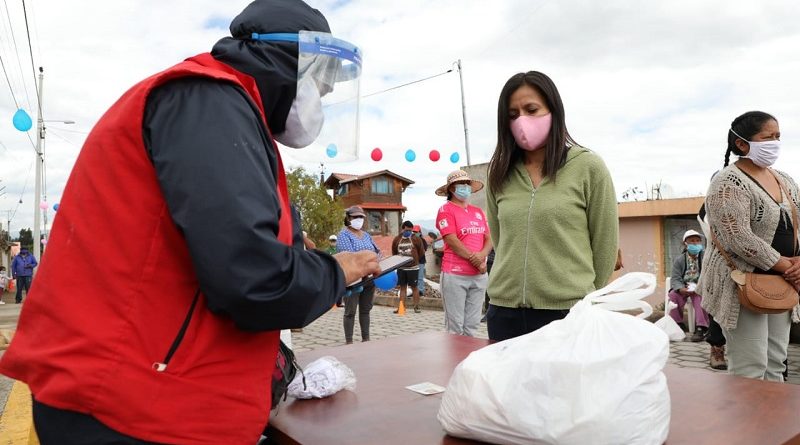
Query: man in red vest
[{"x": 176, "y": 258}]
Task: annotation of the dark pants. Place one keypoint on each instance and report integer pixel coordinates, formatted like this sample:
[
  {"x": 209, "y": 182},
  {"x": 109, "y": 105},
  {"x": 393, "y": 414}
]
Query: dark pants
[
  {"x": 363, "y": 302},
  {"x": 23, "y": 282},
  {"x": 505, "y": 322},
  {"x": 61, "y": 427},
  {"x": 715, "y": 336}
]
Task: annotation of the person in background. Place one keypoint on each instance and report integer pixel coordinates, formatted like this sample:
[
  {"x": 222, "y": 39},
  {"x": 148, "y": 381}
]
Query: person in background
[
  {"x": 552, "y": 212},
  {"x": 467, "y": 244},
  {"x": 22, "y": 270},
  {"x": 749, "y": 207},
  {"x": 4, "y": 279},
  {"x": 409, "y": 245},
  {"x": 686, "y": 270},
  {"x": 331, "y": 249},
  {"x": 422, "y": 260},
  {"x": 353, "y": 238},
  {"x": 150, "y": 337},
  {"x": 715, "y": 338}
]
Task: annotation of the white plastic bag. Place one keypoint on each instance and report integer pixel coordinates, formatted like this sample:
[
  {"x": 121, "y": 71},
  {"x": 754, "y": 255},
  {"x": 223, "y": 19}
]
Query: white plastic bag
[
  {"x": 593, "y": 378},
  {"x": 669, "y": 326},
  {"x": 324, "y": 377}
]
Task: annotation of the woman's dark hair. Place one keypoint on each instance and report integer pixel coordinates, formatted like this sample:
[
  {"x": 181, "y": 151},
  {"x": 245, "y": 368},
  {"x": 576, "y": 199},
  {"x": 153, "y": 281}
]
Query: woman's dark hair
[
  {"x": 746, "y": 126},
  {"x": 506, "y": 153}
]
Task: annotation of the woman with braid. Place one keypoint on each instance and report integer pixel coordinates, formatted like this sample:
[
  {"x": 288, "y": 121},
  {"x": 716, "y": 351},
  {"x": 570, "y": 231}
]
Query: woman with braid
[{"x": 749, "y": 208}]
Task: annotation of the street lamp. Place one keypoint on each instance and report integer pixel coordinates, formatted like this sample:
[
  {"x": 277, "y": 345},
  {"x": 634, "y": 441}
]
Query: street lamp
[{"x": 37, "y": 210}]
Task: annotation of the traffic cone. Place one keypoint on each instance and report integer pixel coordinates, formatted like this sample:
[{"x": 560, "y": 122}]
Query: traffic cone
[{"x": 401, "y": 310}]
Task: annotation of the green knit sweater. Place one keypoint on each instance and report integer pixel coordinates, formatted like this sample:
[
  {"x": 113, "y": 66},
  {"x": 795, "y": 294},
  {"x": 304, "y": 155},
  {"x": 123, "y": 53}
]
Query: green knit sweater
[{"x": 556, "y": 243}]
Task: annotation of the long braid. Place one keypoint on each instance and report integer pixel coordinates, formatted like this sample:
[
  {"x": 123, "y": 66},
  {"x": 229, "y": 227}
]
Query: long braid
[{"x": 727, "y": 158}]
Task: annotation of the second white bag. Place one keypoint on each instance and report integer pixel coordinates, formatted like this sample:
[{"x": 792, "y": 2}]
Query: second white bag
[{"x": 593, "y": 378}]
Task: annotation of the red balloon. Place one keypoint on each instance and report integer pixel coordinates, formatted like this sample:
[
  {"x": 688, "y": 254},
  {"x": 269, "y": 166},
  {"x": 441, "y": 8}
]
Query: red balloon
[
  {"x": 377, "y": 154},
  {"x": 434, "y": 155}
]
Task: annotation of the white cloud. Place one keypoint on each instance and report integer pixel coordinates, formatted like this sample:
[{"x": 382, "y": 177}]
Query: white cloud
[{"x": 651, "y": 86}]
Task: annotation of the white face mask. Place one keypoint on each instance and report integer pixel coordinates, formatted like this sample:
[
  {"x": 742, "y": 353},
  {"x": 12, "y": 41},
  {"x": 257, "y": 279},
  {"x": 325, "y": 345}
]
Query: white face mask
[
  {"x": 762, "y": 153},
  {"x": 357, "y": 223},
  {"x": 305, "y": 119}
]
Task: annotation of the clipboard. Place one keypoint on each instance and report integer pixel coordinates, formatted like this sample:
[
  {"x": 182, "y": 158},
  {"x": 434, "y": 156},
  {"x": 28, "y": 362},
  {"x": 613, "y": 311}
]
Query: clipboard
[{"x": 387, "y": 265}]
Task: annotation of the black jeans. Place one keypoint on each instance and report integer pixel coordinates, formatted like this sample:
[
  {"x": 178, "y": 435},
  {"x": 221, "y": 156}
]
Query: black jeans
[
  {"x": 362, "y": 302},
  {"x": 715, "y": 336},
  {"x": 61, "y": 427},
  {"x": 505, "y": 322},
  {"x": 23, "y": 283}
]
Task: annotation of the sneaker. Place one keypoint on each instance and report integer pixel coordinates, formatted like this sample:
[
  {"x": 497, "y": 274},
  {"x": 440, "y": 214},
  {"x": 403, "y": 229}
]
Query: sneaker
[
  {"x": 683, "y": 326},
  {"x": 717, "y": 358},
  {"x": 700, "y": 334},
  {"x": 417, "y": 310}
]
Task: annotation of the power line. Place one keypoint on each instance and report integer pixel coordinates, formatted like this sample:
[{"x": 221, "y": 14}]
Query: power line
[
  {"x": 407, "y": 84},
  {"x": 30, "y": 50},
  {"x": 16, "y": 104},
  {"x": 16, "y": 50}
]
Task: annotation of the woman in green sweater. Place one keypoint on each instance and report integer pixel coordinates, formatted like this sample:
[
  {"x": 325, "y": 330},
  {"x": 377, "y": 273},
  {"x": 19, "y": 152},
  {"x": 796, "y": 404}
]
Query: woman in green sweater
[{"x": 551, "y": 209}]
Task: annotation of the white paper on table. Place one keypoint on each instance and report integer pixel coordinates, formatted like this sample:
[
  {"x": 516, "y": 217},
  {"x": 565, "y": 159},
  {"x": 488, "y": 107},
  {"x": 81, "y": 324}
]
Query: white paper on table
[{"x": 426, "y": 388}]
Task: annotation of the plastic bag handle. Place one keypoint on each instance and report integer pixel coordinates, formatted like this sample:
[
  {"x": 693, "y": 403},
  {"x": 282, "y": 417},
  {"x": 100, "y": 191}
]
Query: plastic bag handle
[{"x": 625, "y": 293}]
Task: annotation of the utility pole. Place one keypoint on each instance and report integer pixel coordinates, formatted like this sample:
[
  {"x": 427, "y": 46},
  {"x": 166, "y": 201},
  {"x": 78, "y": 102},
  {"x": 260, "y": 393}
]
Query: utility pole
[
  {"x": 37, "y": 199},
  {"x": 464, "y": 112}
]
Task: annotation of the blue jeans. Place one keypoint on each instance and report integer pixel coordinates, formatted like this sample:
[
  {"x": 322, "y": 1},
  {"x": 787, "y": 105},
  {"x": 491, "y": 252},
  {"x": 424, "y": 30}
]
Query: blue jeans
[
  {"x": 421, "y": 279},
  {"x": 22, "y": 282}
]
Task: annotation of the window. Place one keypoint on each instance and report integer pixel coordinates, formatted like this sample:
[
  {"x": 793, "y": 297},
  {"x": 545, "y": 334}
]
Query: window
[
  {"x": 382, "y": 186},
  {"x": 343, "y": 189},
  {"x": 374, "y": 222}
]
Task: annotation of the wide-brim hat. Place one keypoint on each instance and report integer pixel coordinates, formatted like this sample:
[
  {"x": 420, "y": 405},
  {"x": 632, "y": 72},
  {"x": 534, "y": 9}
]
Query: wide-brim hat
[{"x": 459, "y": 176}]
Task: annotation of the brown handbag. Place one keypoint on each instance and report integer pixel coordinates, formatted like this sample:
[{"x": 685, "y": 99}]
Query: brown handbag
[{"x": 764, "y": 293}]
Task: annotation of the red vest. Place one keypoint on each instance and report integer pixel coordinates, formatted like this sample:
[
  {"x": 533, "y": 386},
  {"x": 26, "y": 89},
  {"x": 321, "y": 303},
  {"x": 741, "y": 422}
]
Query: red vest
[{"x": 114, "y": 288}]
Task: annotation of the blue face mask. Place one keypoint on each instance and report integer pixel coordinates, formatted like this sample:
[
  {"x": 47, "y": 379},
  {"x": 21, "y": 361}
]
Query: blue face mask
[
  {"x": 694, "y": 249},
  {"x": 463, "y": 191},
  {"x": 406, "y": 234}
]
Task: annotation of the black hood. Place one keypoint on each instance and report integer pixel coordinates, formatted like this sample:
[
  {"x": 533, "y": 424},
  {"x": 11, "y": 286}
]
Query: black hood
[{"x": 272, "y": 64}]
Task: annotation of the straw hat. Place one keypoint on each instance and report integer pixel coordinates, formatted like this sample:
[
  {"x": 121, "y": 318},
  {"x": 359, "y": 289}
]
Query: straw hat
[{"x": 459, "y": 176}]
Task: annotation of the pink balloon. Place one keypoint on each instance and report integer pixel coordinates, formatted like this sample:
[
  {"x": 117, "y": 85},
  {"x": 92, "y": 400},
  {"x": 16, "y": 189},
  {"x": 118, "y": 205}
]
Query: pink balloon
[
  {"x": 44, "y": 241},
  {"x": 434, "y": 155},
  {"x": 376, "y": 154},
  {"x": 43, "y": 205}
]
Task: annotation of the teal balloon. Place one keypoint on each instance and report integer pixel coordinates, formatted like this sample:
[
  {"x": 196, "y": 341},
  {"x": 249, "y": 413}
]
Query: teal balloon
[
  {"x": 331, "y": 151},
  {"x": 410, "y": 155},
  {"x": 387, "y": 282},
  {"x": 22, "y": 121},
  {"x": 454, "y": 158},
  {"x": 55, "y": 207}
]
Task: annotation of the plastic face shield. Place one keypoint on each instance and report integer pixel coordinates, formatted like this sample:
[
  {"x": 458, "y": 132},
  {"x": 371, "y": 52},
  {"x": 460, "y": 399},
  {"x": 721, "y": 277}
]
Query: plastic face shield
[{"x": 333, "y": 67}]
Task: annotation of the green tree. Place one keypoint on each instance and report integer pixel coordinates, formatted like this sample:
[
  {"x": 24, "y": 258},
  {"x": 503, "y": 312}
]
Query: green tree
[
  {"x": 321, "y": 215},
  {"x": 26, "y": 238}
]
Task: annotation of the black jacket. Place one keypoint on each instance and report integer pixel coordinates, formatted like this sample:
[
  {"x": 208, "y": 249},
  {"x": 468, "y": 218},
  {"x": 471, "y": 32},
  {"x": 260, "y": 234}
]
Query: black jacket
[{"x": 217, "y": 168}]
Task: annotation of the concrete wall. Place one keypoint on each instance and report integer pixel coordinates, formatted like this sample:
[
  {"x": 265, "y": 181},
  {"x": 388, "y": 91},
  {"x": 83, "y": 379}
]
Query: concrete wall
[
  {"x": 478, "y": 172},
  {"x": 641, "y": 241}
]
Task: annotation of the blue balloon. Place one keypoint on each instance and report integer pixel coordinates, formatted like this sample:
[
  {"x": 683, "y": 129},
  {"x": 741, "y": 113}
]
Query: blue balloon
[
  {"x": 410, "y": 155},
  {"x": 387, "y": 282},
  {"x": 331, "y": 151},
  {"x": 22, "y": 121},
  {"x": 55, "y": 207},
  {"x": 454, "y": 158}
]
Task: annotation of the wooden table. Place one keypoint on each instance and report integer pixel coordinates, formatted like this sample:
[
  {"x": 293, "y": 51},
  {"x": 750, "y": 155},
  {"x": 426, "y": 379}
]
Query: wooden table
[{"x": 707, "y": 408}]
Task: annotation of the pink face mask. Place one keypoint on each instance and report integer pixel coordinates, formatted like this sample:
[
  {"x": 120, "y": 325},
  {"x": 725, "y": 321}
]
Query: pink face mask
[{"x": 531, "y": 132}]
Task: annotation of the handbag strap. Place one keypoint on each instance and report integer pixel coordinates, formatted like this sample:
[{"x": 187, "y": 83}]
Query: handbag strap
[{"x": 794, "y": 217}]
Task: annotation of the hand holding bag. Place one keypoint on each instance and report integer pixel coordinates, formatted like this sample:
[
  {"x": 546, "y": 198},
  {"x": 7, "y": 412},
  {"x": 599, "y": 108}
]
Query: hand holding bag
[{"x": 763, "y": 293}]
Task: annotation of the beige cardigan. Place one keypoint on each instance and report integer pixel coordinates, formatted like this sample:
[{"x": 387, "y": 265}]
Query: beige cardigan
[{"x": 744, "y": 218}]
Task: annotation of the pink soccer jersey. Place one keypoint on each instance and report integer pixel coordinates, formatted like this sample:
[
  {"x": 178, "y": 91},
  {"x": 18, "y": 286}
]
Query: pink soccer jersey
[{"x": 469, "y": 224}]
